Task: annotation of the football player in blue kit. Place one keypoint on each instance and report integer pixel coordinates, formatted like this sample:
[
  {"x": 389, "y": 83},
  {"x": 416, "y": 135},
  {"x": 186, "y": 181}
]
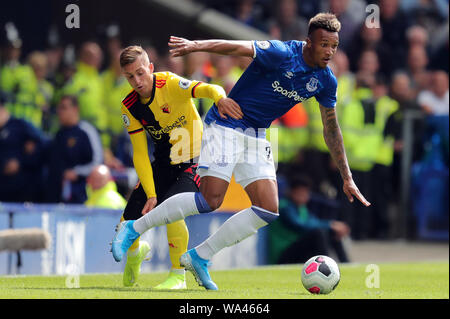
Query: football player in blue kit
[{"x": 281, "y": 75}]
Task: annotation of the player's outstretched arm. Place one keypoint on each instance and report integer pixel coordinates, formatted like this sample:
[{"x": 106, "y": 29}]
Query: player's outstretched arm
[
  {"x": 333, "y": 138},
  {"x": 181, "y": 46}
]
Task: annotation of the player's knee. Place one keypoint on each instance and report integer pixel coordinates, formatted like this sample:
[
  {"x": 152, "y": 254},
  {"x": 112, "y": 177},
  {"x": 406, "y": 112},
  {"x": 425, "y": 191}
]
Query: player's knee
[
  {"x": 266, "y": 202},
  {"x": 214, "y": 200}
]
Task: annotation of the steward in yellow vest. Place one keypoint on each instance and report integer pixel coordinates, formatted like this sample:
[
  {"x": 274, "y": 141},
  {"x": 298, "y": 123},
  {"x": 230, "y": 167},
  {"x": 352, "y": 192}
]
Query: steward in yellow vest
[{"x": 101, "y": 190}]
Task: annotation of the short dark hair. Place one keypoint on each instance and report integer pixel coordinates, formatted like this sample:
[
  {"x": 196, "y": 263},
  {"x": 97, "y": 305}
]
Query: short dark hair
[
  {"x": 300, "y": 180},
  {"x": 72, "y": 98},
  {"x": 326, "y": 21}
]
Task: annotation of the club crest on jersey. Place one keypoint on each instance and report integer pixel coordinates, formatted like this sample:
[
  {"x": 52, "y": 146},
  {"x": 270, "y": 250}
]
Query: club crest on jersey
[
  {"x": 311, "y": 86},
  {"x": 184, "y": 84},
  {"x": 165, "y": 108},
  {"x": 263, "y": 44},
  {"x": 125, "y": 120}
]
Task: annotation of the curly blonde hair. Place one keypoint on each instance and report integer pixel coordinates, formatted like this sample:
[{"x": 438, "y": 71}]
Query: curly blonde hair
[{"x": 326, "y": 21}]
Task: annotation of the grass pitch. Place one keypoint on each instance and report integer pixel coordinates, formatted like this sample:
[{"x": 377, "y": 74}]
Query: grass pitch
[{"x": 396, "y": 281}]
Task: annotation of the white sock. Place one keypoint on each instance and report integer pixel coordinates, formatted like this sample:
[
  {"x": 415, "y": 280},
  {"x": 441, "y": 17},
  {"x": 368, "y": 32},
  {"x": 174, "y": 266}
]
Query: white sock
[
  {"x": 235, "y": 229},
  {"x": 172, "y": 209}
]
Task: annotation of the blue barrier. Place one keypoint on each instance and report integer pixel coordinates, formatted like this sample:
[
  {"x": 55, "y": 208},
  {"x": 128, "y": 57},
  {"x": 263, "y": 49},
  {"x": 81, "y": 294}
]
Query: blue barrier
[
  {"x": 430, "y": 183},
  {"x": 81, "y": 237}
]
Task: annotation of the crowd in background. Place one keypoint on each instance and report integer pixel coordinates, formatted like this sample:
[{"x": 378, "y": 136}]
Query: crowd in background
[{"x": 60, "y": 115}]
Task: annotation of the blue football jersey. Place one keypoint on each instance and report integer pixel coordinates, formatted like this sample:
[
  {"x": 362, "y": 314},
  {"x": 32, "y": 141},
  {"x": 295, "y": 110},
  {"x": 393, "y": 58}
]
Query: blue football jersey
[{"x": 277, "y": 79}]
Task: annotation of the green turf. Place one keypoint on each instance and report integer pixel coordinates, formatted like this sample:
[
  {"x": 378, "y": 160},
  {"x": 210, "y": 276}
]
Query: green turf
[{"x": 401, "y": 280}]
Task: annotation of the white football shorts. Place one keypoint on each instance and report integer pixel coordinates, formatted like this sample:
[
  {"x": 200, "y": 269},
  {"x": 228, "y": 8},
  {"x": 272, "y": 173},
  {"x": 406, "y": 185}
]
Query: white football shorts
[{"x": 226, "y": 151}]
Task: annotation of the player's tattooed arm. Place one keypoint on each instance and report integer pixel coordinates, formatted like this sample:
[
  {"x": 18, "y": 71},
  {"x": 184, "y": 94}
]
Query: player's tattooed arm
[
  {"x": 333, "y": 138},
  {"x": 181, "y": 46}
]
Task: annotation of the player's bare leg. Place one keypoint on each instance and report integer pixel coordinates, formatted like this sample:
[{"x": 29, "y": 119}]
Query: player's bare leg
[
  {"x": 263, "y": 193},
  {"x": 213, "y": 190}
]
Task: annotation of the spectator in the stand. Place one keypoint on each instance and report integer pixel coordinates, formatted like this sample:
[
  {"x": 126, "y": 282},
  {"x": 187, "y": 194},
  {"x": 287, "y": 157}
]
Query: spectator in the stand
[
  {"x": 369, "y": 63},
  {"x": 13, "y": 74},
  {"x": 427, "y": 13},
  {"x": 417, "y": 68},
  {"x": 63, "y": 76},
  {"x": 309, "y": 8},
  {"x": 86, "y": 84},
  {"x": 41, "y": 90},
  {"x": 340, "y": 66},
  {"x": 153, "y": 52},
  {"x": 174, "y": 64},
  {"x": 21, "y": 158},
  {"x": 223, "y": 66},
  {"x": 33, "y": 94},
  {"x": 292, "y": 135},
  {"x": 417, "y": 36},
  {"x": 435, "y": 104},
  {"x": 113, "y": 43},
  {"x": 300, "y": 232},
  {"x": 350, "y": 14},
  {"x": 240, "y": 65},
  {"x": 101, "y": 189},
  {"x": 54, "y": 55},
  {"x": 384, "y": 108},
  {"x": 75, "y": 150},
  {"x": 394, "y": 22},
  {"x": 434, "y": 101},
  {"x": 401, "y": 90},
  {"x": 115, "y": 86},
  {"x": 439, "y": 56},
  {"x": 198, "y": 66},
  {"x": 286, "y": 23},
  {"x": 250, "y": 13},
  {"x": 371, "y": 39},
  {"x": 418, "y": 51}
]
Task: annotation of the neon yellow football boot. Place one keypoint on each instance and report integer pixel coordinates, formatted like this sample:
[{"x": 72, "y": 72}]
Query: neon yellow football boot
[
  {"x": 133, "y": 265},
  {"x": 173, "y": 281}
]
